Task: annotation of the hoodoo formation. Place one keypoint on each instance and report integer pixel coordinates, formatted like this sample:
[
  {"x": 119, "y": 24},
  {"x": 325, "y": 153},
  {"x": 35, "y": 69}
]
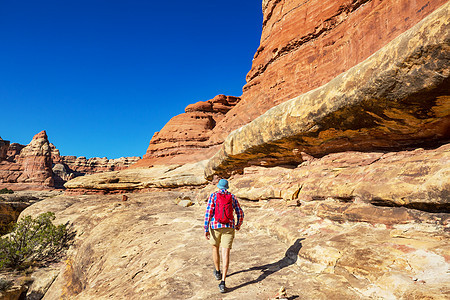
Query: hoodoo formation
[{"x": 39, "y": 165}]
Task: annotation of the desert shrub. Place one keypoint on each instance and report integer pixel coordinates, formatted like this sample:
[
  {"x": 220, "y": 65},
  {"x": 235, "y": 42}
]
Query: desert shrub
[
  {"x": 6, "y": 191},
  {"x": 5, "y": 284},
  {"x": 34, "y": 241}
]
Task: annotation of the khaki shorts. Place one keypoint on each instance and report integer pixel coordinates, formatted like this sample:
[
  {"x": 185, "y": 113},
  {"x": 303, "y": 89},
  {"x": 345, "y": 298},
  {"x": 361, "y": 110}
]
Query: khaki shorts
[{"x": 222, "y": 236}]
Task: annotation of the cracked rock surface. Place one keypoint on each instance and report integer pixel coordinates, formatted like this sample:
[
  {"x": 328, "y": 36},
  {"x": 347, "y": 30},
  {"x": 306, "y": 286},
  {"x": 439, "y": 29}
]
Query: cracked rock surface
[{"x": 150, "y": 247}]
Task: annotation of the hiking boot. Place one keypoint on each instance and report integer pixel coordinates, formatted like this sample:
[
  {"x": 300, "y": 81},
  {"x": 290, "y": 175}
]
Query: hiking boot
[
  {"x": 222, "y": 287},
  {"x": 217, "y": 274}
]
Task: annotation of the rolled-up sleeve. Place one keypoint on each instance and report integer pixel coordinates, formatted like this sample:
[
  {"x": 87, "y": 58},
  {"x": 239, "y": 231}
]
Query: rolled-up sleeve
[{"x": 209, "y": 212}]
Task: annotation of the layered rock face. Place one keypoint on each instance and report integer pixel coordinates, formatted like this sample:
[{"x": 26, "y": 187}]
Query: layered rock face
[
  {"x": 133, "y": 179},
  {"x": 31, "y": 164},
  {"x": 13, "y": 151},
  {"x": 351, "y": 207},
  {"x": 39, "y": 164},
  {"x": 305, "y": 44},
  {"x": 398, "y": 97},
  {"x": 96, "y": 164},
  {"x": 417, "y": 179},
  {"x": 185, "y": 138},
  {"x": 36, "y": 161},
  {"x": 4, "y": 145}
]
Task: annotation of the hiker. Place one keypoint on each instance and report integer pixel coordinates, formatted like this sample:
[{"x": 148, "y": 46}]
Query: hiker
[{"x": 219, "y": 216}]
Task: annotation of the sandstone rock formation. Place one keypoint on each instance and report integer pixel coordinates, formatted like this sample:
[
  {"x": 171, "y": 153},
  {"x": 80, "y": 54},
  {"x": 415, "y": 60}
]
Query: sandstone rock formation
[
  {"x": 132, "y": 179},
  {"x": 13, "y": 151},
  {"x": 185, "y": 138},
  {"x": 35, "y": 160},
  {"x": 93, "y": 165},
  {"x": 39, "y": 164},
  {"x": 353, "y": 209},
  {"x": 416, "y": 179},
  {"x": 11, "y": 205},
  {"x": 397, "y": 97},
  {"x": 305, "y": 44},
  {"x": 4, "y": 145},
  {"x": 150, "y": 247}
]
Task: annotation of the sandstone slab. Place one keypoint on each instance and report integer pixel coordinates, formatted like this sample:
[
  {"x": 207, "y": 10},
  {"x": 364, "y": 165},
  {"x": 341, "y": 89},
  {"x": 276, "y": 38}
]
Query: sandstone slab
[
  {"x": 150, "y": 247},
  {"x": 417, "y": 178},
  {"x": 170, "y": 176}
]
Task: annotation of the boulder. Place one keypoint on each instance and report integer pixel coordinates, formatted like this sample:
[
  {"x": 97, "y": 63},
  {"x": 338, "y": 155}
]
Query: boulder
[{"x": 399, "y": 96}]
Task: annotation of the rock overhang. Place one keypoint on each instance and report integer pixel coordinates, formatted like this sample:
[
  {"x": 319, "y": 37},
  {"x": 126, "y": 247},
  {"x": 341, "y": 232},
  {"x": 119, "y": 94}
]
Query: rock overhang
[{"x": 397, "y": 97}]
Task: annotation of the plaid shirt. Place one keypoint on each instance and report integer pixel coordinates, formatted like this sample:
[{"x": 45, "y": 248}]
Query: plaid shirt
[{"x": 209, "y": 214}]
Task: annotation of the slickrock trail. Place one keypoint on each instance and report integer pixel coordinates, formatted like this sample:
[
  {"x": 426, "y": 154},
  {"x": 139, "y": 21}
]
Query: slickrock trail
[{"x": 150, "y": 248}]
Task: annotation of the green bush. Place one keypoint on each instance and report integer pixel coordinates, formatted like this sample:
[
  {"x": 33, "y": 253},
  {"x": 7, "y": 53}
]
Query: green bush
[
  {"x": 34, "y": 241},
  {"x": 5, "y": 284},
  {"x": 6, "y": 191}
]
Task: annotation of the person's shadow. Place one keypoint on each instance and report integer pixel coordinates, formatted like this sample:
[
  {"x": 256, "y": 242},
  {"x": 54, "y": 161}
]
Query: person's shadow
[{"x": 290, "y": 258}]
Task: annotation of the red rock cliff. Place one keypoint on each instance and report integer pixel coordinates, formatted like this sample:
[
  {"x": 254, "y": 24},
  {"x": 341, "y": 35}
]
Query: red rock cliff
[
  {"x": 304, "y": 44},
  {"x": 186, "y": 137}
]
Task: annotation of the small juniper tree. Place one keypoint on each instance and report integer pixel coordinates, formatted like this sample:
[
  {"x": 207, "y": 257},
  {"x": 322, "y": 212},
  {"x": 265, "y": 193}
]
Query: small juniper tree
[
  {"x": 6, "y": 191},
  {"x": 33, "y": 241}
]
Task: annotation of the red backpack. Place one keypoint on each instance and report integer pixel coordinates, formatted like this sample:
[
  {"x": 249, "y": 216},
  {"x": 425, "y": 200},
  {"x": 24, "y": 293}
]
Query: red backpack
[{"x": 223, "y": 211}]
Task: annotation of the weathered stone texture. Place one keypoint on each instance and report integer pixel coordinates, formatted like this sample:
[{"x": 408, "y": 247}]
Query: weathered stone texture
[
  {"x": 159, "y": 246},
  {"x": 36, "y": 163},
  {"x": 185, "y": 138},
  {"x": 132, "y": 179},
  {"x": 4, "y": 145},
  {"x": 13, "y": 151},
  {"x": 39, "y": 164},
  {"x": 397, "y": 97},
  {"x": 93, "y": 165},
  {"x": 305, "y": 44},
  {"x": 416, "y": 179}
]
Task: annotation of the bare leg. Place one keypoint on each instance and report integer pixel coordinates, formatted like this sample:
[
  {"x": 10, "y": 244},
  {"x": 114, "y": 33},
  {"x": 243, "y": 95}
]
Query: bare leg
[
  {"x": 225, "y": 261},
  {"x": 216, "y": 257}
]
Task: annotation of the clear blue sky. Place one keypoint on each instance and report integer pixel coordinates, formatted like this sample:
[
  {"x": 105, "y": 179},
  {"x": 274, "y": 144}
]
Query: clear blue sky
[{"x": 101, "y": 76}]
